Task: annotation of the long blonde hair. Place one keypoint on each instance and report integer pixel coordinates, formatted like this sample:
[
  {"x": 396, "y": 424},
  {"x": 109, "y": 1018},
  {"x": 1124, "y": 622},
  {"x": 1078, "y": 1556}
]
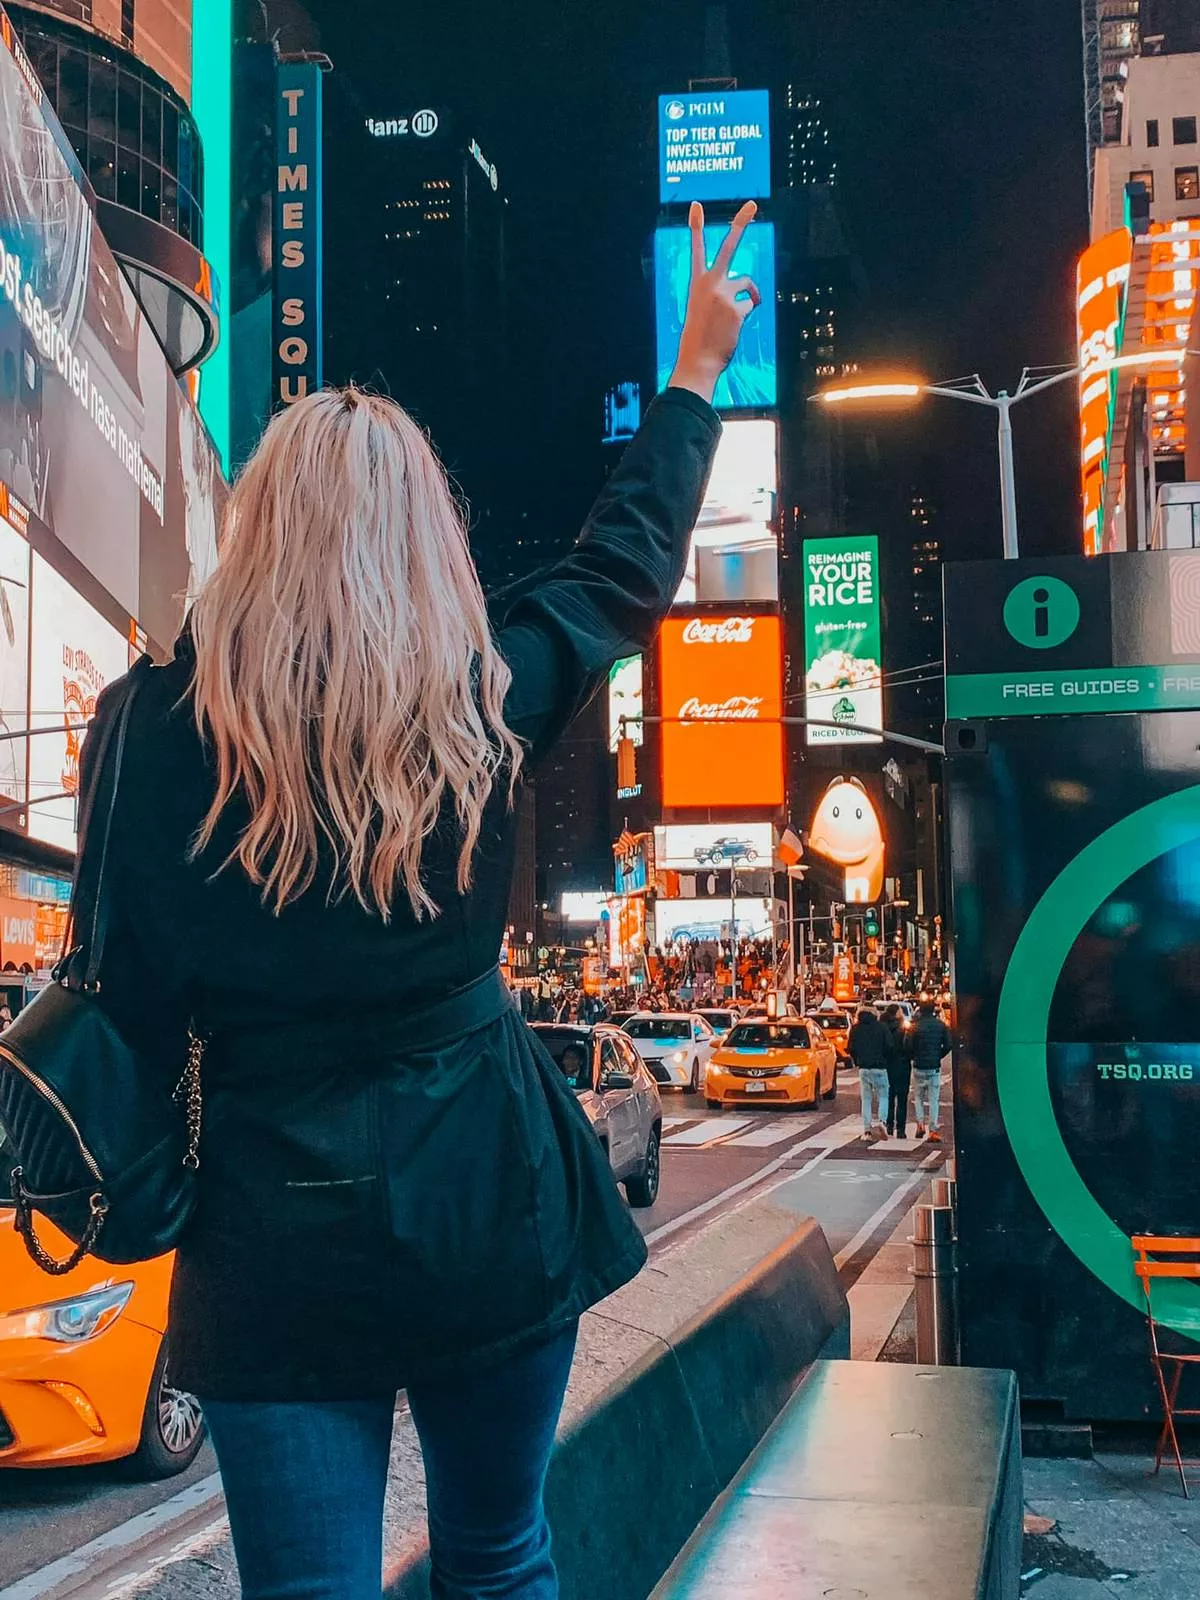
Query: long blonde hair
[{"x": 345, "y": 673}]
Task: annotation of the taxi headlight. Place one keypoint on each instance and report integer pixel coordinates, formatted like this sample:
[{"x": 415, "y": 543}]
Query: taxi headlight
[
  {"x": 69, "y": 1321},
  {"x": 794, "y": 1072}
]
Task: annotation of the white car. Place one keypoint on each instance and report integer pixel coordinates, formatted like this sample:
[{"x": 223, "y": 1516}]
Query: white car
[{"x": 675, "y": 1045}]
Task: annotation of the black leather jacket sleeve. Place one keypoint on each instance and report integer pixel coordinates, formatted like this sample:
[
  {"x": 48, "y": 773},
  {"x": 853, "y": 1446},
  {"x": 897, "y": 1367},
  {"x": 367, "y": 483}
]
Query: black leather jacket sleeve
[{"x": 606, "y": 599}]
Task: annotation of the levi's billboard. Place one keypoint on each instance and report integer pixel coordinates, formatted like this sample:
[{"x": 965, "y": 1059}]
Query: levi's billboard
[{"x": 722, "y": 700}]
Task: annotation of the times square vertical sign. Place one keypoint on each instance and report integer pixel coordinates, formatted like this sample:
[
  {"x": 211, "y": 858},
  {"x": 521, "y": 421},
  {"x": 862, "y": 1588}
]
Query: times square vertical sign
[{"x": 296, "y": 321}]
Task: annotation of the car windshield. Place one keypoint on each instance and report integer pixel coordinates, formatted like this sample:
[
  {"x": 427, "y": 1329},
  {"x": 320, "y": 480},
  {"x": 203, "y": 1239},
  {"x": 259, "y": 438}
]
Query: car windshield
[
  {"x": 659, "y": 1028},
  {"x": 569, "y": 1049},
  {"x": 765, "y": 1035},
  {"x": 718, "y": 1019},
  {"x": 832, "y": 1019}
]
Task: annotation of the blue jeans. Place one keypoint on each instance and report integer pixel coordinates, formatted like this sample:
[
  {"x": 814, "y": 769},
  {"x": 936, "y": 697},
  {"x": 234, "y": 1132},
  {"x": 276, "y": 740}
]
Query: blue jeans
[
  {"x": 873, "y": 1084},
  {"x": 927, "y": 1098},
  {"x": 304, "y": 1483}
]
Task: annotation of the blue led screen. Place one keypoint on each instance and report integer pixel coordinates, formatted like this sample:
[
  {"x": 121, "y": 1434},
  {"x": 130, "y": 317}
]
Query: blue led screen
[{"x": 751, "y": 383}]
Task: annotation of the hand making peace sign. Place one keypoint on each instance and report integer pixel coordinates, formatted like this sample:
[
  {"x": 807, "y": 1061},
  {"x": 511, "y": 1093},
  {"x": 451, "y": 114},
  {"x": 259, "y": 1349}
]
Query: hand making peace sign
[{"x": 718, "y": 306}]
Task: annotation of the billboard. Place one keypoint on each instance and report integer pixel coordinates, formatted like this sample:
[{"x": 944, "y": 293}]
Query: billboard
[
  {"x": 722, "y": 698},
  {"x": 845, "y": 829},
  {"x": 702, "y": 920},
  {"x": 843, "y": 672},
  {"x": 582, "y": 905},
  {"x": 685, "y": 848},
  {"x": 100, "y": 446},
  {"x": 75, "y": 653},
  {"x": 734, "y": 554},
  {"x": 1101, "y": 277},
  {"x": 625, "y": 699},
  {"x": 749, "y": 383},
  {"x": 714, "y": 146}
]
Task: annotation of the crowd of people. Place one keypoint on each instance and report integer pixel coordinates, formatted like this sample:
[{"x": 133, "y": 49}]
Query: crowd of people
[{"x": 894, "y": 1060}]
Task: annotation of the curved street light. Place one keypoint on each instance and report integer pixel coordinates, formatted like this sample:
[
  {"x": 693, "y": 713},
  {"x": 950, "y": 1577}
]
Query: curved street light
[{"x": 975, "y": 392}]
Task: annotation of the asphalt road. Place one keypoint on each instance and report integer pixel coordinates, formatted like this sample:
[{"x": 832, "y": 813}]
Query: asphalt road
[{"x": 813, "y": 1162}]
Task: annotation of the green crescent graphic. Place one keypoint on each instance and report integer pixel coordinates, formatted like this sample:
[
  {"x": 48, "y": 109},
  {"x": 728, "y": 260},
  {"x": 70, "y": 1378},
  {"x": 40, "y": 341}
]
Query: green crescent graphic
[{"x": 1022, "y": 1075}]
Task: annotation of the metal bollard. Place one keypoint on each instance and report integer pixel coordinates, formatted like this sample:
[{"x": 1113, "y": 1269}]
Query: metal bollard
[
  {"x": 935, "y": 1273},
  {"x": 945, "y": 1193}
]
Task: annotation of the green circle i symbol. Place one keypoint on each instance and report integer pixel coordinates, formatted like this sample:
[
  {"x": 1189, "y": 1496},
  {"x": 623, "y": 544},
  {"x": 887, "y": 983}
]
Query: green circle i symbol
[{"x": 1041, "y": 613}]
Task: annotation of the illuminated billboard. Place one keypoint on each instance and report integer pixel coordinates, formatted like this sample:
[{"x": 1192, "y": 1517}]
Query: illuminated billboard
[
  {"x": 722, "y": 698},
  {"x": 845, "y": 829},
  {"x": 843, "y": 672},
  {"x": 582, "y": 905},
  {"x": 75, "y": 653},
  {"x": 625, "y": 699},
  {"x": 698, "y": 921},
  {"x": 1101, "y": 279},
  {"x": 98, "y": 441},
  {"x": 683, "y": 847},
  {"x": 750, "y": 381},
  {"x": 714, "y": 146},
  {"x": 734, "y": 554}
]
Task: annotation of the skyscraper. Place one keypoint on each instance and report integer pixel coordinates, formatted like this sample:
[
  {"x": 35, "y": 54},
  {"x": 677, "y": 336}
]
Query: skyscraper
[
  {"x": 1114, "y": 32},
  {"x": 416, "y": 290}
]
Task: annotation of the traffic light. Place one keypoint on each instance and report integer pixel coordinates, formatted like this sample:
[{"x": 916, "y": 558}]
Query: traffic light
[{"x": 871, "y": 923}]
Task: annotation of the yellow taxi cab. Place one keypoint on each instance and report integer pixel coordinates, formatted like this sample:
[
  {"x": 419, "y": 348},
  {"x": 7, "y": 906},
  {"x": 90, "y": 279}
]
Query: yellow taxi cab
[
  {"x": 83, "y": 1361},
  {"x": 835, "y": 1025},
  {"x": 784, "y": 1061}
]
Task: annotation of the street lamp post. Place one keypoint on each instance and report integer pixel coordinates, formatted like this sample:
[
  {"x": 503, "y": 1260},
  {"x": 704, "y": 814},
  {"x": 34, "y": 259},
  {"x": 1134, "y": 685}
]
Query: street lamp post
[{"x": 975, "y": 392}]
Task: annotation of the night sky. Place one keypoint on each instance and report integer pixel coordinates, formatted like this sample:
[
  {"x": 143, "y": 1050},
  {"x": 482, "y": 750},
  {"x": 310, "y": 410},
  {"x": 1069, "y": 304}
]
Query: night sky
[{"x": 959, "y": 129}]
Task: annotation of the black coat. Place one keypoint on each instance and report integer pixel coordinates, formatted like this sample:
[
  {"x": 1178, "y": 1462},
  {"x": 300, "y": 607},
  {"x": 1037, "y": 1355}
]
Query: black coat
[
  {"x": 371, "y": 1213},
  {"x": 868, "y": 1043},
  {"x": 931, "y": 1039}
]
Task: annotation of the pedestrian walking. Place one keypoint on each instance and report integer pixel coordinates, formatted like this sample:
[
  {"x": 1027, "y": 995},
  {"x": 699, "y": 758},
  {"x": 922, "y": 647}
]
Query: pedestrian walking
[
  {"x": 868, "y": 1045},
  {"x": 931, "y": 1042},
  {"x": 899, "y": 1071},
  {"x": 309, "y": 862}
]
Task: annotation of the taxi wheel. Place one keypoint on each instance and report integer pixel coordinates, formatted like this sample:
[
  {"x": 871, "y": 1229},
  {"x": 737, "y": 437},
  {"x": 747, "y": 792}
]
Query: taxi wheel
[
  {"x": 172, "y": 1427},
  {"x": 713, "y": 1105},
  {"x": 832, "y": 1092}
]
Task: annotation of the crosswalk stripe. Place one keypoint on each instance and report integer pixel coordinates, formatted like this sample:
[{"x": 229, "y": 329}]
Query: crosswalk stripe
[
  {"x": 713, "y": 1130},
  {"x": 772, "y": 1133},
  {"x": 676, "y": 1122},
  {"x": 836, "y": 1135}
]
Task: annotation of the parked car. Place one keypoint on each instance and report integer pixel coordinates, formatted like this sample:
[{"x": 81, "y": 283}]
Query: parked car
[
  {"x": 785, "y": 1060},
  {"x": 84, "y": 1361},
  {"x": 725, "y": 850},
  {"x": 675, "y": 1045},
  {"x": 618, "y": 1094}
]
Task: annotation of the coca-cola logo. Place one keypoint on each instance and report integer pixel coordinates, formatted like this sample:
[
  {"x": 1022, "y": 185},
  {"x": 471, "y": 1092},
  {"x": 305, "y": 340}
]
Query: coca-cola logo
[
  {"x": 738, "y": 708},
  {"x": 730, "y": 630}
]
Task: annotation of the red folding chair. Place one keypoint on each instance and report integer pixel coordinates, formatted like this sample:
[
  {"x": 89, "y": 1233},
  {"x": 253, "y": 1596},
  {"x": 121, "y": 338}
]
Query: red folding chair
[{"x": 1169, "y": 1366}]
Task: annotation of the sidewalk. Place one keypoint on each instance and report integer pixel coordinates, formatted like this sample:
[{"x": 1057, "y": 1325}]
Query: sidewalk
[{"x": 1117, "y": 1530}]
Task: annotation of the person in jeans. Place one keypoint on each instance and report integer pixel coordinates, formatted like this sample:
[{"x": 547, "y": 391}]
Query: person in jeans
[
  {"x": 869, "y": 1050},
  {"x": 899, "y": 1071},
  {"x": 931, "y": 1040},
  {"x": 310, "y": 861}
]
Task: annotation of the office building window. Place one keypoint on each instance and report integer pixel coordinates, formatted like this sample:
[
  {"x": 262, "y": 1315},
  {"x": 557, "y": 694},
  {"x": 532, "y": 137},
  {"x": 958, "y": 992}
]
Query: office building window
[
  {"x": 1152, "y": 133},
  {"x": 1187, "y": 183},
  {"x": 1146, "y": 179},
  {"x": 127, "y": 22},
  {"x": 1183, "y": 130}
]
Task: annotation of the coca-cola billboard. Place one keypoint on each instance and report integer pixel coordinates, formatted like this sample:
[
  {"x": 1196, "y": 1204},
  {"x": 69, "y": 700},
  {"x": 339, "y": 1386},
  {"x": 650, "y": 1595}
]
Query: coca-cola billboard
[{"x": 721, "y": 689}]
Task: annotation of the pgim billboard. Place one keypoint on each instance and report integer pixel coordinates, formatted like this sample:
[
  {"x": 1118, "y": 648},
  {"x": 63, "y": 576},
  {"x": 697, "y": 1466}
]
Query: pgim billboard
[
  {"x": 714, "y": 145},
  {"x": 721, "y": 683},
  {"x": 843, "y": 670}
]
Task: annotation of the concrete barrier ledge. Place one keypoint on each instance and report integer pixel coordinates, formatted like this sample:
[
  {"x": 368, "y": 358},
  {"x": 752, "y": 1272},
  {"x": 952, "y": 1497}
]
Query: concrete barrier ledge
[{"x": 676, "y": 1379}]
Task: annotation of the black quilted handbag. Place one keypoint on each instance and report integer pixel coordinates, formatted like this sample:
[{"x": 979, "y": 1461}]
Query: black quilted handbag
[{"x": 101, "y": 1146}]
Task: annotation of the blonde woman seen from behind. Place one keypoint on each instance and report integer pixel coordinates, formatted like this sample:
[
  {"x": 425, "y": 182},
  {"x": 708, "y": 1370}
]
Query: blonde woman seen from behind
[{"x": 310, "y": 862}]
